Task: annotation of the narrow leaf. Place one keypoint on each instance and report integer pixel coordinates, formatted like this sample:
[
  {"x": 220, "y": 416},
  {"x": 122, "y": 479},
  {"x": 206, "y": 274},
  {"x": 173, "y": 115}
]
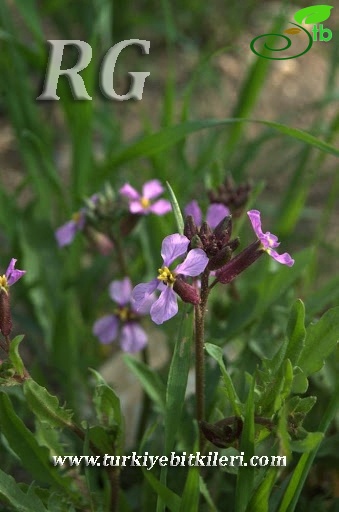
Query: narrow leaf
[{"x": 176, "y": 210}]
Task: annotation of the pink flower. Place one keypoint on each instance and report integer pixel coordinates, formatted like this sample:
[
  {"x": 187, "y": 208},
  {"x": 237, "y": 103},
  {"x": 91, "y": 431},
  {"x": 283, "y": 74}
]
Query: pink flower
[
  {"x": 216, "y": 212},
  {"x": 124, "y": 323},
  {"x": 268, "y": 241},
  {"x": 66, "y": 233},
  {"x": 142, "y": 204},
  {"x": 168, "y": 282},
  {"x": 11, "y": 276}
]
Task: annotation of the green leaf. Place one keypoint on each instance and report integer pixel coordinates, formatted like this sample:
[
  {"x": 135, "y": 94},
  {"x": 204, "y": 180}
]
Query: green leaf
[
  {"x": 46, "y": 406},
  {"x": 176, "y": 210},
  {"x": 107, "y": 403},
  {"x": 149, "y": 380},
  {"x": 296, "y": 332},
  {"x": 177, "y": 380},
  {"x": 22, "y": 441},
  {"x": 216, "y": 352},
  {"x": 107, "y": 406},
  {"x": 260, "y": 499},
  {"x": 245, "y": 477},
  {"x": 321, "y": 340},
  {"x": 168, "y": 137},
  {"x": 168, "y": 497},
  {"x": 14, "y": 355},
  {"x": 300, "y": 382},
  {"x": 313, "y": 14},
  {"x": 191, "y": 493},
  {"x": 11, "y": 492},
  {"x": 307, "y": 444}
]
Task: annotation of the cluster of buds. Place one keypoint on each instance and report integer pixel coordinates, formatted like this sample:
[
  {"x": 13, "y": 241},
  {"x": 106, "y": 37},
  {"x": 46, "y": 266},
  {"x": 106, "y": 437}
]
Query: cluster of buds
[
  {"x": 216, "y": 243},
  {"x": 233, "y": 196}
]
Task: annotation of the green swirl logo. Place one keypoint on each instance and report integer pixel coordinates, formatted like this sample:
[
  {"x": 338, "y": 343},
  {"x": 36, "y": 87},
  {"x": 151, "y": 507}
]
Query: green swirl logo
[
  {"x": 287, "y": 45},
  {"x": 313, "y": 14}
]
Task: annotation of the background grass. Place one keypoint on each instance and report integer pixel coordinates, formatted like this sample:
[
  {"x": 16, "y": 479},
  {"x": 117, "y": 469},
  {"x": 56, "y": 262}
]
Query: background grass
[{"x": 203, "y": 77}]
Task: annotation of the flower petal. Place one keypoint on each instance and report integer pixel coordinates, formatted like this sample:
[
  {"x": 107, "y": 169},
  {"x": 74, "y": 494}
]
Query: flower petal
[
  {"x": 165, "y": 307},
  {"x": 106, "y": 328},
  {"x": 285, "y": 258},
  {"x": 66, "y": 233},
  {"x": 254, "y": 216},
  {"x": 12, "y": 274},
  {"x": 216, "y": 212},
  {"x": 142, "y": 292},
  {"x": 129, "y": 192},
  {"x": 121, "y": 291},
  {"x": 137, "y": 208},
  {"x": 160, "y": 207},
  {"x": 133, "y": 337},
  {"x": 152, "y": 189},
  {"x": 193, "y": 209},
  {"x": 172, "y": 247},
  {"x": 195, "y": 263},
  {"x": 267, "y": 239}
]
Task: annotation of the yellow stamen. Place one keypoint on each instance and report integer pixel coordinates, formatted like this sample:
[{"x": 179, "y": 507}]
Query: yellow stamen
[
  {"x": 3, "y": 283},
  {"x": 166, "y": 275},
  {"x": 145, "y": 202},
  {"x": 123, "y": 314},
  {"x": 76, "y": 216}
]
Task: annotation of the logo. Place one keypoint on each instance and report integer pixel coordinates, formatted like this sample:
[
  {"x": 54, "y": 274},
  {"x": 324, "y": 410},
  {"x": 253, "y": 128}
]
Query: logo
[{"x": 315, "y": 14}]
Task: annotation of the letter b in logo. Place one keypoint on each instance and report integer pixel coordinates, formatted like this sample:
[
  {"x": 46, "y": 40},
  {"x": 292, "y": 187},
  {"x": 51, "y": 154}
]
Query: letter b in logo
[{"x": 325, "y": 34}]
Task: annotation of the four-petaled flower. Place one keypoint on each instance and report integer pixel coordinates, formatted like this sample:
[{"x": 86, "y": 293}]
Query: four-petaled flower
[
  {"x": 66, "y": 233},
  {"x": 169, "y": 282},
  {"x": 142, "y": 204},
  {"x": 124, "y": 323},
  {"x": 216, "y": 212},
  {"x": 268, "y": 241},
  {"x": 11, "y": 276}
]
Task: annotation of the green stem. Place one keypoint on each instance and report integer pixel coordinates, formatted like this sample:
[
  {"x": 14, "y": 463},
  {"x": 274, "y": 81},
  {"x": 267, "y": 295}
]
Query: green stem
[{"x": 200, "y": 310}]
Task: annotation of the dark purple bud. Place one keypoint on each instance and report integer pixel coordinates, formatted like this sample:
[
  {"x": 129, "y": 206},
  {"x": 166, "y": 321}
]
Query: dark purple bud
[
  {"x": 239, "y": 263},
  {"x": 190, "y": 228},
  {"x": 186, "y": 292},
  {"x": 205, "y": 230},
  {"x": 224, "y": 229},
  {"x": 128, "y": 223},
  {"x": 220, "y": 259},
  {"x": 196, "y": 243},
  {"x": 5, "y": 313}
]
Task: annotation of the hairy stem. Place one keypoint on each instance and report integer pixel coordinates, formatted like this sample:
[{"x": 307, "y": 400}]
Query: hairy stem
[{"x": 200, "y": 310}]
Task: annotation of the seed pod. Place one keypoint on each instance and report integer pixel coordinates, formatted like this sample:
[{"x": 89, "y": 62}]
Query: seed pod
[{"x": 5, "y": 313}]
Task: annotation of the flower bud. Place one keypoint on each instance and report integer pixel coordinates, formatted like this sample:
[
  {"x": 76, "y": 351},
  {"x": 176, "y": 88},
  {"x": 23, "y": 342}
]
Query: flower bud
[
  {"x": 190, "y": 228},
  {"x": 196, "y": 243},
  {"x": 220, "y": 259},
  {"x": 186, "y": 292},
  {"x": 224, "y": 229}
]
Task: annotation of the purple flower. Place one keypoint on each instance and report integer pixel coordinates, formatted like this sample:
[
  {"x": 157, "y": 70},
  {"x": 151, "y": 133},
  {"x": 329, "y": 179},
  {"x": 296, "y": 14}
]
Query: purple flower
[
  {"x": 124, "y": 323},
  {"x": 142, "y": 204},
  {"x": 216, "y": 212},
  {"x": 173, "y": 246},
  {"x": 268, "y": 241},
  {"x": 66, "y": 233},
  {"x": 11, "y": 276}
]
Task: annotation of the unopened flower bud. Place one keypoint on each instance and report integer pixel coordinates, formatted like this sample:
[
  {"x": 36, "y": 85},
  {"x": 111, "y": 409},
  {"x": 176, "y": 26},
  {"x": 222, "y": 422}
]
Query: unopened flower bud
[
  {"x": 220, "y": 259},
  {"x": 190, "y": 228},
  {"x": 224, "y": 229},
  {"x": 196, "y": 242},
  {"x": 239, "y": 263},
  {"x": 186, "y": 292}
]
